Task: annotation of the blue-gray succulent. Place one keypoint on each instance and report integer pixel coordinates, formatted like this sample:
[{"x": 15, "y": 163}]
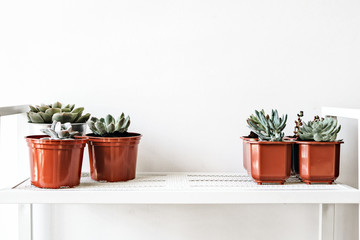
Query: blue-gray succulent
[
  {"x": 59, "y": 131},
  {"x": 320, "y": 130},
  {"x": 268, "y": 128},
  {"x": 108, "y": 125}
]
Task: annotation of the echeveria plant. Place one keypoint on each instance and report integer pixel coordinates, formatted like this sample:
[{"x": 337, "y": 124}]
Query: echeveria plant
[
  {"x": 59, "y": 131},
  {"x": 108, "y": 125},
  {"x": 56, "y": 112}
]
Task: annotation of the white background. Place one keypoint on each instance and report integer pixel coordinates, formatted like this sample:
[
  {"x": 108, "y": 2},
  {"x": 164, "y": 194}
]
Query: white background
[{"x": 188, "y": 73}]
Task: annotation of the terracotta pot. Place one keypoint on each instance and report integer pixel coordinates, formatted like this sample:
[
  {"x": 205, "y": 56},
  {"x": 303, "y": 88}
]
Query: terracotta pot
[
  {"x": 319, "y": 162},
  {"x": 246, "y": 153},
  {"x": 270, "y": 161},
  {"x": 113, "y": 159},
  {"x": 55, "y": 163}
]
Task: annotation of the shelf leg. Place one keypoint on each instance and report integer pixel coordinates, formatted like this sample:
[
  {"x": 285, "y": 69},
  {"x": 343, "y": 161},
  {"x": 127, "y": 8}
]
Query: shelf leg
[
  {"x": 25, "y": 222},
  {"x": 326, "y": 221}
]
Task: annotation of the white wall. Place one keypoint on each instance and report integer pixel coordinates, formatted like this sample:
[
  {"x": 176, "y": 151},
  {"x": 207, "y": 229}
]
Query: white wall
[{"x": 189, "y": 73}]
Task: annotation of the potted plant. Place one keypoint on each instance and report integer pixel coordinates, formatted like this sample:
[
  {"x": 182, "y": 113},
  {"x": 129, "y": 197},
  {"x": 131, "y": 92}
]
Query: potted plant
[
  {"x": 41, "y": 116},
  {"x": 270, "y": 155},
  {"x": 56, "y": 158},
  {"x": 246, "y": 150},
  {"x": 112, "y": 150},
  {"x": 319, "y": 151}
]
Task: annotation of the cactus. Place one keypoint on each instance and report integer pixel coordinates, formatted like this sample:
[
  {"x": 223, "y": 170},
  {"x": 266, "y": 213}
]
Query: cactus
[
  {"x": 268, "y": 129},
  {"x": 59, "y": 131},
  {"x": 56, "y": 112},
  {"x": 108, "y": 126},
  {"x": 320, "y": 130}
]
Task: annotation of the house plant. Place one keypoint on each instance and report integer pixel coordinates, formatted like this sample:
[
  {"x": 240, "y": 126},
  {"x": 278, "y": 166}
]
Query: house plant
[
  {"x": 41, "y": 116},
  {"x": 270, "y": 155},
  {"x": 56, "y": 158},
  {"x": 112, "y": 150},
  {"x": 319, "y": 151}
]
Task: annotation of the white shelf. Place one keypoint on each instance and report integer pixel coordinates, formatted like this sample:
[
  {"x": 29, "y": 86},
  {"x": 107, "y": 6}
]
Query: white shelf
[
  {"x": 342, "y": 112},
  {"x": 183, "y": 188},
  {"x": 187, "y": 188}
]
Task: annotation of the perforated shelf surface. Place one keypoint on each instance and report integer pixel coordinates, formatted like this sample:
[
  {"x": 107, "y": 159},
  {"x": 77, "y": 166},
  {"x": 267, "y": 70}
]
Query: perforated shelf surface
[
  {"x": 185, "y": 181},
  {"x": 187, "y": 188}
]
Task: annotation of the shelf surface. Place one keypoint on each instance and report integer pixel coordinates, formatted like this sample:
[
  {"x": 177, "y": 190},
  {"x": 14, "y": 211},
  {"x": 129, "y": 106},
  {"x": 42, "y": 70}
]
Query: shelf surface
[{"x": 183, "y": 188}]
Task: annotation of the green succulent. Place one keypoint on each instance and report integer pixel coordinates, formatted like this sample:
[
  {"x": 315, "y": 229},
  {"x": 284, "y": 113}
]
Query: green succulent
[
  {"x": 108, "y": 125},
  {"x": 268, "y": 128},
  {"x": 56, "y": 112},
  {"x": 60, "y": 131},
  {"x": 320, "y": 130}
]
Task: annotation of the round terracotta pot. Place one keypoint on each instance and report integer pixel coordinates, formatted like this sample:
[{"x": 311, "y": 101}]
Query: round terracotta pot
[
  {"x": 113, "y": 159},
  {"x": 55, "y": 163}
]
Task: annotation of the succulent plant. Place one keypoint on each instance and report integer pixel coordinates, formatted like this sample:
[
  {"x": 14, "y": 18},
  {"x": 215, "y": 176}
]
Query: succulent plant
[
  {"x": 320, "y": 129},
  {"x": 109, "y": 126},
  {"x": 56, "y": 112},
  {"x": 60, "y": 131},
  {"x": 298, "y": 124},
  {"x": 266, "y": 127}
]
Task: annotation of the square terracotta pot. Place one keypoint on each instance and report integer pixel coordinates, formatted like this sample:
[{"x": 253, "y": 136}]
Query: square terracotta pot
[
  {"x": 247, "y": 154},
  {"x": 319, "y": 162},
  {"x": 270, "y": 161}
]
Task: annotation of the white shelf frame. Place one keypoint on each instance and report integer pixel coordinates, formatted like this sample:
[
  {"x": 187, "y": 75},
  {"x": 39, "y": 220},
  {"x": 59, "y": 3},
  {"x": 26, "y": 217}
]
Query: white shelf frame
[
  {"x": 350, "y": 113},
  {"x": 179, "y": 188},
  {"x": 326, "y": 199}
]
